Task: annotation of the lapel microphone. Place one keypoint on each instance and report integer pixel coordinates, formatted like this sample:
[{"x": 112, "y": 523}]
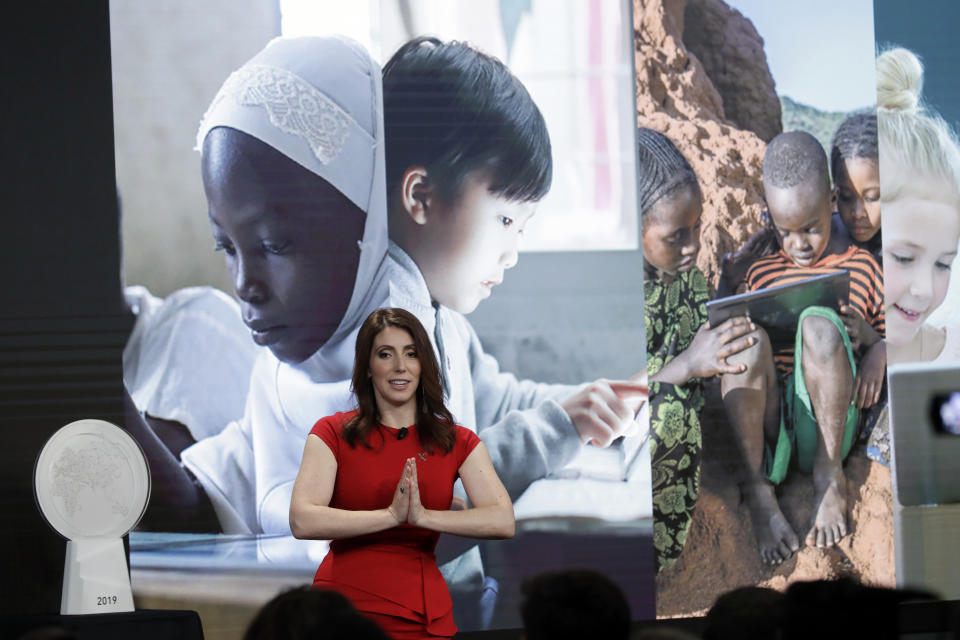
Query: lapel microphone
[{"x": 402, "y": 433}]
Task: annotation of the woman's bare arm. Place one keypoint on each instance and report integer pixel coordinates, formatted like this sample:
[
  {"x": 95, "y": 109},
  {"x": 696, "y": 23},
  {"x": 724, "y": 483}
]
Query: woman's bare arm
[{"x": 312, "y": 517}]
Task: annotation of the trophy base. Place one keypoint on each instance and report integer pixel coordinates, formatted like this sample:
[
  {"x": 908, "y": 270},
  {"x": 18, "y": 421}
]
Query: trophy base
[{"x": 95, "y": 577}]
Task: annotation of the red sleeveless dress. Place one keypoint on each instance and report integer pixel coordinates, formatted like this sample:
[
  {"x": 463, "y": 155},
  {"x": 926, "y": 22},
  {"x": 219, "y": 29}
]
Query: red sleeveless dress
[{"x": 391, "y": 575}]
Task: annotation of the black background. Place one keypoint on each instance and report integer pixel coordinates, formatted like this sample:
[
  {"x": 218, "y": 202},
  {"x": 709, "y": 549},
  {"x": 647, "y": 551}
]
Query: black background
[{"x": 62, "y": 322}]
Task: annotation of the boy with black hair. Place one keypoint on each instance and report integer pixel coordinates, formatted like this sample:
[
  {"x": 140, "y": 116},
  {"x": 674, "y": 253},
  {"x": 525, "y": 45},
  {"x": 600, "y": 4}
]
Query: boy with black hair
[
  {"x": 816, "y": 378},
  {"x": 574, "y": 603},
  {"x": 468, "y": 157}
]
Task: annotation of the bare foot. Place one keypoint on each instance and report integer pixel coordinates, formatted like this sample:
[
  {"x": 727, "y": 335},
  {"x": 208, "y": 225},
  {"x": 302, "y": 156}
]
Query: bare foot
[
  {"x": 830, "y": 523},
  {"x": 775, "y": 536}
]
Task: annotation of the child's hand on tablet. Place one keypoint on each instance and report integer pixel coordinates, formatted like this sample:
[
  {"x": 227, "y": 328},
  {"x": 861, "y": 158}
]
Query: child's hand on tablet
[
  {"x": 604, "y": 410},
  {"x": 708, "y": 353},
  {"x": 860, "y": 332}
]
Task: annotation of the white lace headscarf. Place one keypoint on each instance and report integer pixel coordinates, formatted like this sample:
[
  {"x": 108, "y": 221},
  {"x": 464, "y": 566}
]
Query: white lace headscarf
[{"x": 318, "y": 101}]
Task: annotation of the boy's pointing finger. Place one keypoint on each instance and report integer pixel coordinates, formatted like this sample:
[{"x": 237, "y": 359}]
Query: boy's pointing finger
[{"x": 626, "y": 389}]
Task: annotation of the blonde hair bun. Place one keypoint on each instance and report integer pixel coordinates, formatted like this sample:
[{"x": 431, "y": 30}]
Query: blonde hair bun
[{"x": 899, "y": 80}]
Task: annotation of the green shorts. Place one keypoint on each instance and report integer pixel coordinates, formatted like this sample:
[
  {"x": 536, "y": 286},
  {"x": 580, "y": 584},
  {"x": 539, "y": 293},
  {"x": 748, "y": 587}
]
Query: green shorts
[{"x": 798, "y": 426}]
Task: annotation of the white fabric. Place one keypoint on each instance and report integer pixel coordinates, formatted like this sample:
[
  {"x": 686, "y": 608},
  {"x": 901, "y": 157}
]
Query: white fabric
[
  {"x": 188, "y": 358},
  {"x": 298, "y": 91},
  {"x": 293, "y": 105},
  {"x": 248, "y": 469},
  {"x": 527, "y": 432}
]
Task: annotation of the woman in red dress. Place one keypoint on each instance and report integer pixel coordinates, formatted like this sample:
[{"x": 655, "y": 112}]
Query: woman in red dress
[{"x": 378, "y": 481}]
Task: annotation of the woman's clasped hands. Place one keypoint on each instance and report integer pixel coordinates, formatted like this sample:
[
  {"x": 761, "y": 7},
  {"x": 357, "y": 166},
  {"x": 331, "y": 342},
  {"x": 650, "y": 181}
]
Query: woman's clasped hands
[{"x": 406, "y": 506}]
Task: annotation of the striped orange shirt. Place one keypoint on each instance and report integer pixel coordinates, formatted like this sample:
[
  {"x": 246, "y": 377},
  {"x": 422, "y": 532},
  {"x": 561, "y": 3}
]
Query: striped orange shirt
[{"x": 866, "y": 286}]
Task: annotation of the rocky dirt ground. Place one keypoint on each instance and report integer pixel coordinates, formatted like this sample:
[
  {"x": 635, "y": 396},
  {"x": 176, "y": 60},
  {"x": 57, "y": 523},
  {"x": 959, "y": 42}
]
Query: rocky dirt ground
[{"x": 721, "y": 553}]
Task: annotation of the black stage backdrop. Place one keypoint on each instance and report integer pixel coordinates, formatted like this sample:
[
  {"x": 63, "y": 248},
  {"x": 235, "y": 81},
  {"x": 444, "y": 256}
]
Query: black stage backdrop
[{"x": 62, "y": 325}]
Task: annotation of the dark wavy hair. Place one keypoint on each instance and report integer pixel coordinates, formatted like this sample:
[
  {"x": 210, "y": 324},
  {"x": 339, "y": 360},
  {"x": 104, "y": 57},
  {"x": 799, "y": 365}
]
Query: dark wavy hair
[
  {"x": 434, "y": 422},
  {"x": 454, "y": 110}
]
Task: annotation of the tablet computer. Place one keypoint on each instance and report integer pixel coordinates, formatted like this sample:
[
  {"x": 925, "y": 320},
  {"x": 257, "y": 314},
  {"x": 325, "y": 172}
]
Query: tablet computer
[
  {"x": 777, "y": 309},
  {"x": 925, "y": 432}
]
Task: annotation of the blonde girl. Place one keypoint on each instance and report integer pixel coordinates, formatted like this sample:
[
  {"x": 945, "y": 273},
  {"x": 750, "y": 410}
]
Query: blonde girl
[{"x": 920, "y": 203}]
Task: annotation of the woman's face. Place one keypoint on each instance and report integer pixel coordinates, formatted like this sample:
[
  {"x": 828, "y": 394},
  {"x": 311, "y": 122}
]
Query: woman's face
[
  {"x": 394, "y": 368},
  {"x": 858, "y": 197},
  {"x": 919, "y": 244},
  {"x": 289, "y": 238},
  {"x": 671, "y": 233}
]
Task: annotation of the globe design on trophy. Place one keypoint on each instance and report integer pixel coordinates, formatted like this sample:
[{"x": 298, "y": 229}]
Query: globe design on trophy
[{"x": 92, "y": 485}]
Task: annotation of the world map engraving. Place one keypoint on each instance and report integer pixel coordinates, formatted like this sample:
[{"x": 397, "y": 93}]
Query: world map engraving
[{"x": 96, "y": 469}]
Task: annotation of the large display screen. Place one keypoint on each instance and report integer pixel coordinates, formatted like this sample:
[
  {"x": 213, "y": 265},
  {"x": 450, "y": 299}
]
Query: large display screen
[
  {"x": 231, "y": 408},
  {"x": 680, "y": 509}
]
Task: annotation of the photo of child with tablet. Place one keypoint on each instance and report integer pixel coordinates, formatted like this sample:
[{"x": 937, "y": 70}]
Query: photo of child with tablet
[
  {"x": 806, "y": 407},
  {"x": 783, "y": 220}
]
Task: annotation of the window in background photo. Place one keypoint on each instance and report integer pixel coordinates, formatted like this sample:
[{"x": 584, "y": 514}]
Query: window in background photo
[{"x": 574, "y": 59}]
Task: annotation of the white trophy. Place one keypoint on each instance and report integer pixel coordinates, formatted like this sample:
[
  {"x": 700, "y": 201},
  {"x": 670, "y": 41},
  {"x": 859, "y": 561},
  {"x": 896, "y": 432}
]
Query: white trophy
[{"x": 92, "y": 485}]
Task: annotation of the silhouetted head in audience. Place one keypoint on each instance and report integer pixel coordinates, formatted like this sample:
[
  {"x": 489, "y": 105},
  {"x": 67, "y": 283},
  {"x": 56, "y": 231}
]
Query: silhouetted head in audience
[
  {"x": 49, "y": 633},
  {"x": 576, "y": 603},
  {"x": 747, "y": 613},
  {"x": 844, "y": 608},
  {"x": 658, "y": 631},
  {"x": 303, "y": 613}
]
